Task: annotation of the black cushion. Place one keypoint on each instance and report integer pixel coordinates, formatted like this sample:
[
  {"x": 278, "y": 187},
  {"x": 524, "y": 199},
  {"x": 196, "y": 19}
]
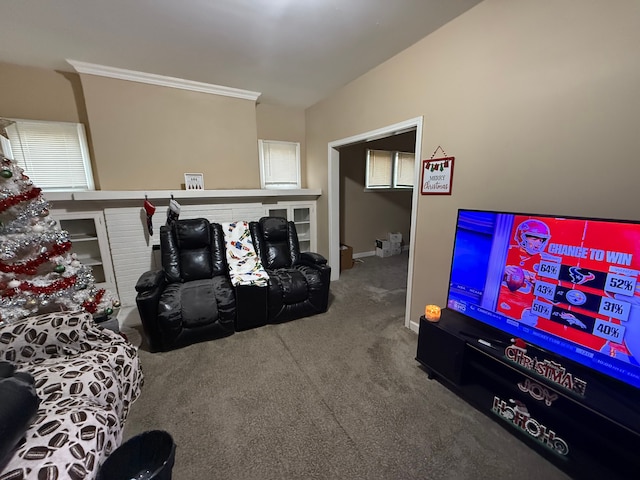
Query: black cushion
[
  {"x": 293, "y": 285},
  {"x": 205, "y": 306},
  {"x": 186, "y": 250},
  {"x": 279, "y": 243},
  {"x": 18, "y": 407},
  {"x": 188, "y": 304}
]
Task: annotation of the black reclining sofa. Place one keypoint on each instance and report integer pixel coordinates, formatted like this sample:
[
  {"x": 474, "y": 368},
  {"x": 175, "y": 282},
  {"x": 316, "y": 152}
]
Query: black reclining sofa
[{"x": 191, "y": 298}]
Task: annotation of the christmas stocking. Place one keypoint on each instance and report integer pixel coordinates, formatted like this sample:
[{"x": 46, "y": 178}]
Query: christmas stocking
[
  {"x": 149, "y": 209},
  {"x": 173, "y": 212}
]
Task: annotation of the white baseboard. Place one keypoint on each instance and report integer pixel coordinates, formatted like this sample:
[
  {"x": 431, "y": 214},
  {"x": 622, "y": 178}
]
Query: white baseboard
[{"x": 372, "y": 253}]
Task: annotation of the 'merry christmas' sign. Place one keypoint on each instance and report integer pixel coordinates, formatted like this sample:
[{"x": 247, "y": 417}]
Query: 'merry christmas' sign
[{"x": 437, "y": 176}]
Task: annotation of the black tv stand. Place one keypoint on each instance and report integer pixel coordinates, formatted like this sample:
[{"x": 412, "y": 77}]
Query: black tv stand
[{"x": 584, "y": 422}]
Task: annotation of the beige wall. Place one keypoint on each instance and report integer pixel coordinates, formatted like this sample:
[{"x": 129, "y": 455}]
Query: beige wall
[
  {"x": 366, "y": 216},
  {"x": 538, "y": 101},
  {"x": 39, "y": 94},
  {"x": 148, "y": 136},
  {"x": 285, "y": 124}
]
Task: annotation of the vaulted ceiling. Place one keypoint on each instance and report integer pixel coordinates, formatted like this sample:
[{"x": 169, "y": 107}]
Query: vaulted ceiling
[{"x": 294, "y": 52}]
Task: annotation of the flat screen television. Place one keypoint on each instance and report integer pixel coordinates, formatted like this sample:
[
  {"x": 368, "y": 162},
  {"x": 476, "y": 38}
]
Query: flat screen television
[{"x": 568, "y": 285}]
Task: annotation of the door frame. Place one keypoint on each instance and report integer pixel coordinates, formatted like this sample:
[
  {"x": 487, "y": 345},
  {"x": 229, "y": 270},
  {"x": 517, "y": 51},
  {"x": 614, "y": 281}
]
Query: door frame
[{"x": 334, "y": 197}]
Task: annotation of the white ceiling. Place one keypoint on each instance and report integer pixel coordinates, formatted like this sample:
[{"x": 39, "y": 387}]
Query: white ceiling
[{"x": 295, "y": 52}]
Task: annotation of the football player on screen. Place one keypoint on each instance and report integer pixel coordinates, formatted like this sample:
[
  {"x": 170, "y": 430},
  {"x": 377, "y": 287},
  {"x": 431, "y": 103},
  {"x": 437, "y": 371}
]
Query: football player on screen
[
  {"x": 520, "y": 273},
  {"x": 523, "y": 258}
]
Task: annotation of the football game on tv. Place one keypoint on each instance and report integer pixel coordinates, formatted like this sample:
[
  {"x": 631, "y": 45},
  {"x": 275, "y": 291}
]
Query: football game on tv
[{"x": 568, "y": 285}]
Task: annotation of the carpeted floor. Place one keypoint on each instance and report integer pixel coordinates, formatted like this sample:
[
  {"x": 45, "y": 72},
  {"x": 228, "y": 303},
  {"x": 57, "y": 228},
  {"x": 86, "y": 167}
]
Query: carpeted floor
[{"x": 334, "y": 396}]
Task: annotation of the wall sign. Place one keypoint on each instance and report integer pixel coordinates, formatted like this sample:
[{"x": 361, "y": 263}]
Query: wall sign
[
  {"x": 437, "y": 176},
  {"x": 193, "y": 181}
]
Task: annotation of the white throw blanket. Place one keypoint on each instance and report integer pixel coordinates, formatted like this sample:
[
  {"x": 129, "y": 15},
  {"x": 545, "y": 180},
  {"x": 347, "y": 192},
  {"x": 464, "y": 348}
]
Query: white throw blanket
[{"x": 245, "y": 267}]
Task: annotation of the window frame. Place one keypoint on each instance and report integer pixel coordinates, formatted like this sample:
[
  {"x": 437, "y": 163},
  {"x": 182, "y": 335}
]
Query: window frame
[
  {"x": 397, "y": 167},
  {"x": 392, "y": 184},
  {"x": 83, "y": 152},
  {"x": 294, "y": 183}
]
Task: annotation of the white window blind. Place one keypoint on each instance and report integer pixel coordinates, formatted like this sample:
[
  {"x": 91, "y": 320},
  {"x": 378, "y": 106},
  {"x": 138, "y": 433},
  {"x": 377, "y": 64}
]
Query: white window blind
[
  {"x": 404, "y": 168},
  {"x": 389, "y": 169},
  {"x": 279, "y": 164},
  {"x": 53, "y": 154},
  {"x": 379, "y": 169}
]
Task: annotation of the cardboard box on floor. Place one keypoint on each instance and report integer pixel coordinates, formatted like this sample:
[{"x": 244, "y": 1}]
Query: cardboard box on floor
[
  {"x": 394, "y": 237},
  {"x": 346, "y": 257},
  {"x": 387, "y": 248}
]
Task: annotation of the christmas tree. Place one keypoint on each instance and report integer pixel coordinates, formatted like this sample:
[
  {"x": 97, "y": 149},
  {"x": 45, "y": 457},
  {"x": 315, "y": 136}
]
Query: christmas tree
[{"x": 38, "y": 271}]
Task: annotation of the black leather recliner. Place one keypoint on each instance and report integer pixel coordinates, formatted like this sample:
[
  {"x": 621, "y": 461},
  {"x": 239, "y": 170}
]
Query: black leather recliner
[
  {"x": 191, "y": 299},
  {"x": 298, "y": 282}
]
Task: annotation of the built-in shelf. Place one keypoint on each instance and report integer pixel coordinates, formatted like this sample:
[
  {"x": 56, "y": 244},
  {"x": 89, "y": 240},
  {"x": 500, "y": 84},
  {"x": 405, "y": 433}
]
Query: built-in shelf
[
  {"x": 90, "y": 243},
  {"x": 92, "y": 262},
  {"x": 82, "y": 237}
]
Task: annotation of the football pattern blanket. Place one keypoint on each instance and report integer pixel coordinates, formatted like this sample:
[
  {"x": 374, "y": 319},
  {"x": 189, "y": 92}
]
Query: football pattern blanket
[{"x": 245, "y": 267}]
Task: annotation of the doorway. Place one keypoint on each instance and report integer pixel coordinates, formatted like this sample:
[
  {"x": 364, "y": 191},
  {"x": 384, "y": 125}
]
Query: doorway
[{"x": 334, "y": 197}]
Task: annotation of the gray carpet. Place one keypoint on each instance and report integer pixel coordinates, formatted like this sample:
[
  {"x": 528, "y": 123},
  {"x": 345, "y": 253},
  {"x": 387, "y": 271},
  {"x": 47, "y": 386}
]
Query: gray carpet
[{"x": 334, "y": 396}]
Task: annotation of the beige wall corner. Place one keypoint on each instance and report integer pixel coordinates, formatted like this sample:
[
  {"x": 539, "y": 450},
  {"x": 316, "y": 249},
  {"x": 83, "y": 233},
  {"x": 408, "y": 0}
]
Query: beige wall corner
[
  {"x": 538, "y": 102},
  {"x": 40, "y": 94}
]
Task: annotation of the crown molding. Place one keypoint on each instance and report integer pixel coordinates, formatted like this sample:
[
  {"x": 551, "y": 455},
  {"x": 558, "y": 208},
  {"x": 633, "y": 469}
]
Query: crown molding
[{"x": 161, "y": 80}]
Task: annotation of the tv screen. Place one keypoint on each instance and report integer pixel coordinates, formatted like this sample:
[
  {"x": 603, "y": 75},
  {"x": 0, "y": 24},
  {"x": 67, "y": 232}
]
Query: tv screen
[{"x": 568, "y": 285}]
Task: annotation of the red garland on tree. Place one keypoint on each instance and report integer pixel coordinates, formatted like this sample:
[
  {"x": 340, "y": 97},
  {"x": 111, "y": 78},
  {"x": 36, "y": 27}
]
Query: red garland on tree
[
  {"x": 30, "y": 266},
  {"x": 17, "y": 199}
]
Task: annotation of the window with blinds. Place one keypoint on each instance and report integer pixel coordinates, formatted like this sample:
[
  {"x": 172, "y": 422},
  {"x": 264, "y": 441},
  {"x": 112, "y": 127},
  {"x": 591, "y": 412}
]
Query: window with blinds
[
  {"x": 404, "y": 169},
  {"x": 54, "y": 155},
  {"x": 279, "y": 164},
  {"x": 389, "y": 169},
  {"x": 379, "y": 169}
]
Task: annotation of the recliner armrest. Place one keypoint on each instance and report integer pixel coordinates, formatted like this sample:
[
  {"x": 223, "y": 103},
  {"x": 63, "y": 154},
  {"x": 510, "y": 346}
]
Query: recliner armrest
[
  {"x": 150, "y": 281},
  {"x": 311, "y": 258},
  {"x": 317, "y": 262},
  {"x": 150, "y": 286}
]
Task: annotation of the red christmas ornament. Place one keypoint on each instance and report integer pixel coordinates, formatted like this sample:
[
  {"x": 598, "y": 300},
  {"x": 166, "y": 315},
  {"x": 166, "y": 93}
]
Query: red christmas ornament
[{"x": 92, "y": 307}]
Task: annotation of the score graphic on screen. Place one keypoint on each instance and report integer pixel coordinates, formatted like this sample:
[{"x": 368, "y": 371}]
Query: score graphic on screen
[{"x": 575, "y": 279}]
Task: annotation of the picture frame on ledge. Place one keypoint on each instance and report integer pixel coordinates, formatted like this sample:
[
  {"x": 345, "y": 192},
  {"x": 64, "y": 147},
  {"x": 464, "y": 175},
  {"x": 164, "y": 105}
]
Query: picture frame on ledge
[{"x": 193, "y": 181}]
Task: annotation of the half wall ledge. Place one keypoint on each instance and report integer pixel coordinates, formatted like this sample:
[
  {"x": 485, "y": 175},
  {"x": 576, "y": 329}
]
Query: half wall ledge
[{"x": 187, "y": 195}]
